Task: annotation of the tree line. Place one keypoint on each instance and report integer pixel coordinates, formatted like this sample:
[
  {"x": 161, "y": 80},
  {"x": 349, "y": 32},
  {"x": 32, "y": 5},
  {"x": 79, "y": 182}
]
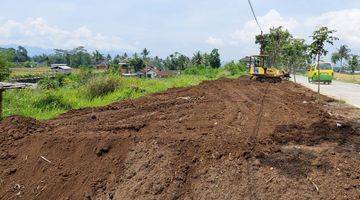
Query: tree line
[
  {"x": 343, "y": 55},
  {"x": 80, "y": 57},
  {"x": 286, "y": 51}
]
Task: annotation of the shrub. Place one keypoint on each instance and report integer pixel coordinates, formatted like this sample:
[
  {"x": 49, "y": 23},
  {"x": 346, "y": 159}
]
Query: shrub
[
  {"x": 202, "y": 70},
  {"x": 85, "y": 74},
  {"x": 4, "y": 69},
  {"x": 235, "y": 68},
  {"x": 101, "y": 86},
  {"x": 52, "y": 101},
  {"x": 53, "y": 83}
]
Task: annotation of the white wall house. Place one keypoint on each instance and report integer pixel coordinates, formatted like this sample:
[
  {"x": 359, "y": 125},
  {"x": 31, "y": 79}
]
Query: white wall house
[{"x": 151, "y": 74}]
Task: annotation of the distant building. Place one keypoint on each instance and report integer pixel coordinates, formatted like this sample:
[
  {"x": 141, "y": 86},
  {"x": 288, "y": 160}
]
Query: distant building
[
  {"x": 61, "y": 68},
  {"x": 124, "y": 67},
  {"x": 154, "y": 72},
  {"x": 150, "y": 72},
  {"x": 102, "y": 66}
]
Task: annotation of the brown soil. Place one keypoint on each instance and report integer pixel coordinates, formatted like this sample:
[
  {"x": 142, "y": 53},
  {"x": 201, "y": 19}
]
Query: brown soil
[{"x": 224, "y": 139}]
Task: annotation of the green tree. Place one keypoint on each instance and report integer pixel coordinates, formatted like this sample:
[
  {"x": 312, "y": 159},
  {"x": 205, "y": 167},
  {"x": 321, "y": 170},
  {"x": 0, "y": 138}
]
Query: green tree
[
  {"x": 353, "y": 63},
  {"x": 80, "y": 57},
  {"x": 213, "y": 59},
  {"x": 344, "y": 54},
  {"x": 108, "y": 57},
  {"x": 125, "y": 55},
  {"x": 21, "y": 55},
  {"x": 272, "y": 44},
  {"x": 335, "y": 57},
  {"x": 295, "y": 55},
  {"x": 157, "y": 62},
  {"x": 321, "y": 37},
  {"x": 117, "y": 59},
  {"x": 197, "y": 59},
  {"x": 176, "y": 61},
  {"x": 97, "y": 57},
  {"x": 145, "y": 53},
  {"x": 137, "y": 63},
  {"x": 4, "y": 66}
]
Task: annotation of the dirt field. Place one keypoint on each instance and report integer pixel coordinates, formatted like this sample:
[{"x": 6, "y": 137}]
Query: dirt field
[{"x": 224, "y": 139}]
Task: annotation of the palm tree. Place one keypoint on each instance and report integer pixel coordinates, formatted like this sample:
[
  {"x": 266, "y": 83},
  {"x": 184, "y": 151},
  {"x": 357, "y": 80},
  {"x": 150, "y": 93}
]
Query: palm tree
[
  {"x": 97, "y": 56},
  {"x": 353, "y": 63},
  {"x": 344, "y": 53},
  {"x": 335, "y": 57},
  {"x": 197, "y": 58}
]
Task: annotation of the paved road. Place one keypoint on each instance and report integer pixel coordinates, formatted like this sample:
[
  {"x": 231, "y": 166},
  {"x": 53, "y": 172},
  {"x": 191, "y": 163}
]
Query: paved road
[{"x": 348, "y": 92}]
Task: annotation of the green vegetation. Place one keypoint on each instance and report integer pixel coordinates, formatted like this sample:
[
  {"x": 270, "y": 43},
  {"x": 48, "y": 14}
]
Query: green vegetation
[
  {"x": 88, "y": 89},
  {"x": 349, "y": 78},
  {"x": 4, "y": 69},
  {"x": 101, "y": 86},
  {"x": 284, "y": 51},
  {"x": 343, "y": 54},
  {"x": 321, "y": 37},
  {"x": 353, "y": 63},
  {"x": 24, "y": 72}
]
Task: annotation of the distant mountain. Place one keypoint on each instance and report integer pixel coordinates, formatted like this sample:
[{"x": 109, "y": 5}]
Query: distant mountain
[{"x": 32, "y": 51}]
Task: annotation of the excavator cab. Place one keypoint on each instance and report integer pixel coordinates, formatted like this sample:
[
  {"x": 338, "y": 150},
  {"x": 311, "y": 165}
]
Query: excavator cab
[{"x": 258, "y": 65}]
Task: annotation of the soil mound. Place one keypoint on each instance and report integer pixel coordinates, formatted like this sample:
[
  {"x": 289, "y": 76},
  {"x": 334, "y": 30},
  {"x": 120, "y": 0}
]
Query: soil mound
[
  {"x": 223, "y": 139},
  {"x": 17, "y": 127}
]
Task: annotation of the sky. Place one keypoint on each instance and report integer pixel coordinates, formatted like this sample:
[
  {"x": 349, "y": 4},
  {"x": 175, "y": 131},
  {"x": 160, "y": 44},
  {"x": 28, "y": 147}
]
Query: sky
[{"x": 168, "y": 26}]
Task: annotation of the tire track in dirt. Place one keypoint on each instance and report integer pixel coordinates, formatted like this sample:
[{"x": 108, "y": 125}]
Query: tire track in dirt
[{"x": 253, "y": 142}]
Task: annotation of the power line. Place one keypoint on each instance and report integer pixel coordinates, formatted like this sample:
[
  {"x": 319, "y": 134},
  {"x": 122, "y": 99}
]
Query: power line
[{"x": 253, "y": 12}]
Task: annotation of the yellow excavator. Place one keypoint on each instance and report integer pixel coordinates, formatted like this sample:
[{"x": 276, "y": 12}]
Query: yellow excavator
[
  {"x": 259, "y": 65},
  {"x": 260, "y": 70}
]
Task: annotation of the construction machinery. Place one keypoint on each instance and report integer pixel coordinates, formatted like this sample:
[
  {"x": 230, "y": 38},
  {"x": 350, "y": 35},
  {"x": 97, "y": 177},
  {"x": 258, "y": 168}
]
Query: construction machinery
[
  {"x": 259, "y": 65},
  {"x": 260, "y": 69}
]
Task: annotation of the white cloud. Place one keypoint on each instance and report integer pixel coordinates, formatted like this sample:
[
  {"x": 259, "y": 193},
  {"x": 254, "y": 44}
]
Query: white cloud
[
  {"x": 215, "y": 41},
  {"x": 250, "y": 29},
  {"x": 37, "y": 32},
  {"x": 346, "y": 22}
]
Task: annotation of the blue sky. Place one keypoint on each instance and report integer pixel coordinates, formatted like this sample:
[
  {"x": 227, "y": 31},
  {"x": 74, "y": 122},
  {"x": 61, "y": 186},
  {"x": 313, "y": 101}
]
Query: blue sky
[{"x": 166, "y": 26}]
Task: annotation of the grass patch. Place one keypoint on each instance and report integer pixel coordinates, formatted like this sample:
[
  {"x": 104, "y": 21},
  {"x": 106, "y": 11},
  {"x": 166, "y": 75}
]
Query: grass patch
[
  {"x": 349, "y": 78},
  {"x": 49, "y": 101},
  {"x": 88, "y": 89},
  {"x": 23, "y": 72}
]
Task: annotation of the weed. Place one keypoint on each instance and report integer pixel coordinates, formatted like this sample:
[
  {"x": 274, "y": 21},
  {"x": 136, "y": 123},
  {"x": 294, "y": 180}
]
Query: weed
[
  {"x": 101, "y": 86},
  {"x": 51, "y": 101}
]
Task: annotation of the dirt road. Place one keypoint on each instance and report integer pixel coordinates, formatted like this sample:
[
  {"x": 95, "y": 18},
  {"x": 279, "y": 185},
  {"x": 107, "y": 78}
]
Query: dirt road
[
  {"x": 224, "y": 139},
  {"x": 339, "y": 90}
]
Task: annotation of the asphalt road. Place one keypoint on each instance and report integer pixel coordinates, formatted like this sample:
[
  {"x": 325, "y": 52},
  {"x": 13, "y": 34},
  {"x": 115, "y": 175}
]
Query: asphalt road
[{"x": 348, "y": 92}]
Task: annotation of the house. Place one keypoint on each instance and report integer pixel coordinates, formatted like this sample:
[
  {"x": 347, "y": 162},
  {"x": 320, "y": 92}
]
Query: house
[
  {"x": 124, "y": 67},
  {"x": 61, "y": 68},
  {"x": 102, "y": 66},
  {"x": 150, "y": 72},
  {"x": 154, "y": 72}
]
